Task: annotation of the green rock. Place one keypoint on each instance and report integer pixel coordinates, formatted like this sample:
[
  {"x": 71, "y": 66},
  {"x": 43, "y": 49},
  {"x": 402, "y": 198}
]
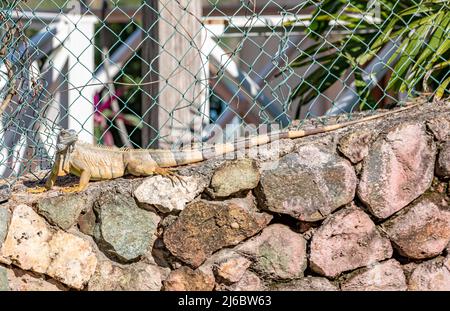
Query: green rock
[
  {"x": 4, "y": 286},
  {"x": 234, "y": 177},
  {"x": 63, "y": 211},
  {"x": 4, "y": 221},
  {"x": 124, "y": 232}
]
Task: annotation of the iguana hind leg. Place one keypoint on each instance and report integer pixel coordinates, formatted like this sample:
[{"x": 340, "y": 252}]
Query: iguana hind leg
[{"x": 166, "y": 172}]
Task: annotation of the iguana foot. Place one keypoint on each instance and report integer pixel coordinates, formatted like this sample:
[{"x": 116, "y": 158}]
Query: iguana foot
[
  {"x": 37, "y": 190},
  {"x": 72, "y": 189},
  {"x": 173, "y": 176}
]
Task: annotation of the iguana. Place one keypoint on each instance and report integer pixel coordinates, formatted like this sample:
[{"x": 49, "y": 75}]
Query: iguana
[{"x": 91, "y": 162}]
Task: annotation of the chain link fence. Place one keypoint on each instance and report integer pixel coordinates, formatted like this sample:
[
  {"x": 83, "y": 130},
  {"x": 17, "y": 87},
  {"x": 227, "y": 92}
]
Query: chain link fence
[{"x": 166, "y": 73}]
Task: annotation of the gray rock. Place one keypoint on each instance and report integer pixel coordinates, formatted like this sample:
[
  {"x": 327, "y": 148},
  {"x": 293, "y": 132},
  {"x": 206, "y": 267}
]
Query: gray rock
[
  {"x": 234, "y": 177},
  {"x": 398, "y": 169},
  {"x": 4, "y": 284},
  {"x": 204, "y": 227},
  {"x": 385, "y": 276},
  {"x": 309, "y": 283},
  {"x": 124, "y": 231},
  {"x": 440, "y": 127},
  {"x": 309, "y": 185},
  {"x": 443, "y": 162},
  {"x": 277, "y": 253},
  {"x": 5, "y": 217},
  {"x": 64, "y": 210},
  {"x": 347, "y": 240},
  {"x": 5, "y": 192},
  {"x": 133, "y": 277},
  {"x": 421, "y": 230}
]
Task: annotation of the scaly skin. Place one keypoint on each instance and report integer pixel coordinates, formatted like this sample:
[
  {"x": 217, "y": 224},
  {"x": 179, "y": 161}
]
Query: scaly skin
[{"x": 91, "y": 162}]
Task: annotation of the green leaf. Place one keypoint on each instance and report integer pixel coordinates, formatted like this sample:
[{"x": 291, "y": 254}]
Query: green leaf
[{"x": 442, "y": 88}]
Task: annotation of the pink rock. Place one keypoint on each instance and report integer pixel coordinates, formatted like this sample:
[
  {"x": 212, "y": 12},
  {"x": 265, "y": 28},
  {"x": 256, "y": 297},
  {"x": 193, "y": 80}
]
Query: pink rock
[
  {"x": 443, "y": 162},
  {"x": 186, "y": 279},
  {"x": 19, "y": 280},
  {"x": 309, "y": 283},
  {"x": 249, "y": 282},
  {"x": 347, "y": 240},
  {"x": 277, "y": 253},
  {"x": 26, "y": 244},
  {"x": 398, "y": 169},
  {"x": 431, "y": 275},
  {"x": 385, "y": 276},
  {"x": 232, "y": 269},
  {"x": 422, "y": 230}
]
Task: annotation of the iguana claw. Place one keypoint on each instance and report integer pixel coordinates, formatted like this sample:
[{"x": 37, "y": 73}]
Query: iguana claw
[
  {"x": 173, "y": 176},
  {"x": 71, "y": 189},
  {"x": 37, "y": 190}
]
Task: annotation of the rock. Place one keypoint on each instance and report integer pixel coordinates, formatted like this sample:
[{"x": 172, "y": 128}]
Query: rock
[
  {"x": 26, "y": 244},
  {"x": 231, "y": 269},
  {"x": 19, "y": 280},
  {"x": 124, "y": 231},
  {"x": 431, "y": 275},
  {"x": 249, "y": 282},
  {"x": 31, "y": 245},
  {"x": 277, "y": 253},
  {"x": 355, "y": 145},
  {"x": 347, "y": 240},
  {"x": 271, "y": 151},
  {"x": 167, "y": 195},
  {"x": 234, "y": 177},
  {"x": 4, "y": 284},
  {"x": 204, "y": 227},
  {"x": 5, "y": 218},
  {"x": 385, "y": 276},
  {"x": 309, "y": 185},
  {"x": 440, "y": 127},
  {"x": 87, "y": 221},
  {"x": 133, "y": 277},
  {"x": 443, "y": 162},
  {"x": 398, "y": 169},
  {"x": 73, "y": 260},
  {"x": 63, "y": 210},
  {"x": 5, "y": 192},
  {"x": 186, "y": 279},
  {"x": 422, "y": 230},
  {"x": 309, "y": 283}
]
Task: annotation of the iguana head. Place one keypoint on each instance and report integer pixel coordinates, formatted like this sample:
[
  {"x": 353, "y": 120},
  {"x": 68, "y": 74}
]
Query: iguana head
[{"x": 67, "y": 139}]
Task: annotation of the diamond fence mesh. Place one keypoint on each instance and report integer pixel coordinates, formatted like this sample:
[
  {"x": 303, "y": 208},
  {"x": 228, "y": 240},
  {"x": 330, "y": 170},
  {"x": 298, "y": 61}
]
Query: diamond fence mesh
[{"x": 169, "y": 73}]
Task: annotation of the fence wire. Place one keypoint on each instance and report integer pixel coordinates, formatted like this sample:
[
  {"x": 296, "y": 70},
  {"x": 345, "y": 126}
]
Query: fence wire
[{"x": 166, "y": 73}]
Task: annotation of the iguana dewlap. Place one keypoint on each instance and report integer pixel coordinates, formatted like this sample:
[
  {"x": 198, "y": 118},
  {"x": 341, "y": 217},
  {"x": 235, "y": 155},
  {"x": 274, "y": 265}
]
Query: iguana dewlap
[{"x": 91, "y": 162}]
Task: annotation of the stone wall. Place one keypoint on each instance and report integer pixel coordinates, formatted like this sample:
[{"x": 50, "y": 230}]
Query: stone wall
[{"x": 361, "y": 208}]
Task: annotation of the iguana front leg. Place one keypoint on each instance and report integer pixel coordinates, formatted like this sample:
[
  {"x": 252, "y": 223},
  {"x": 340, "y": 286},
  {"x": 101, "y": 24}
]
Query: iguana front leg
[
  {"x": 57, "y": 169},
  {"x": 85, "y": 176}
]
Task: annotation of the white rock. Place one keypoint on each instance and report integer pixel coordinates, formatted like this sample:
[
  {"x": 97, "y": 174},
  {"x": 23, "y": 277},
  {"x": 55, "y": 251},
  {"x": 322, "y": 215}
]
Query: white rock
[
  {"x": 167, "y": 195},
  {"x": 26, "y": 244},
  {"x": 73, "y": 260}
]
